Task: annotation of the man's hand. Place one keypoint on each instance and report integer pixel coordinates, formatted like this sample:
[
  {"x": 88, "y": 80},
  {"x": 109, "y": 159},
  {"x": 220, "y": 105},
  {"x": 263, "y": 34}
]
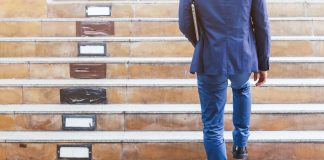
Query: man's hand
[{"x": 261, "y": 76}]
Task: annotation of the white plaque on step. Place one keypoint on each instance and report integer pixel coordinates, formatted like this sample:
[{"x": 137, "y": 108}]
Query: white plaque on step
[
  {"x": 92, "y": 49},
  {"x": 74, "y": 152},
  {"x": 98, "y": 10},
  {"x": 79, "y": 122}
]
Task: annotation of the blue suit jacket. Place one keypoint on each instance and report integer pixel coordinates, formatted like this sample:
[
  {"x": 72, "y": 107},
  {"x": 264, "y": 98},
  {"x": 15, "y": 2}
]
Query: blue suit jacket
[{"x": 234, "y": 35}]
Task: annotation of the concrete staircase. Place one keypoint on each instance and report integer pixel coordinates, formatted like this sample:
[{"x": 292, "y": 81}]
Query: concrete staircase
[{"x": 152, "y": 110}]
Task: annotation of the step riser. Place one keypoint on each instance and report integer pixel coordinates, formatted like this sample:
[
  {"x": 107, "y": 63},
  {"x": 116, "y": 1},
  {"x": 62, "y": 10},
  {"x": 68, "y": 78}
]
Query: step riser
[
  {"x": 69, "y": 29},
  {"x": 140, "y": 49},
  {"x": 117, "y": 95},
  {"x": 171, "y": 10},
  {"x": 160, "y": 122},
  {"x": 176, "y": 70},
  {"x": 170, "y": 151}
]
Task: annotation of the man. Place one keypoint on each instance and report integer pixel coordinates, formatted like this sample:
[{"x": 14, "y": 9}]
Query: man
[{"x": 234, "y": 41}]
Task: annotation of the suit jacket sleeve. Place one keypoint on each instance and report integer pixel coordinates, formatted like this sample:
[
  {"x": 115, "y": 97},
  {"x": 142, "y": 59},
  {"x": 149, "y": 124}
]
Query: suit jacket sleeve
[
  {"x": 260, "y": 23},
  {"x": 186, "y": 25}
]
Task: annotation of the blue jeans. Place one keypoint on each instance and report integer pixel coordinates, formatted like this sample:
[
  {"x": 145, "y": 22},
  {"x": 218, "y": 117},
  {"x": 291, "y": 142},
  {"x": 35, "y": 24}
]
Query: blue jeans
[{"x": 212, "y": 91}]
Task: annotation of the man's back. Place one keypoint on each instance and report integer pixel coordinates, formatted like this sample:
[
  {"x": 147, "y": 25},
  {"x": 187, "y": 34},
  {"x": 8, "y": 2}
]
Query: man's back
[
  {"x": 229, "y": 18},
  {"x": 228, "y": 43}
]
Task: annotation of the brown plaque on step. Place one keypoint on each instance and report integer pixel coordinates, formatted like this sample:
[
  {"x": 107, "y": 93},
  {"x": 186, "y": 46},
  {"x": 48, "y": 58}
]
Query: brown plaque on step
[
  {"x": 88, "y": 71},
  {"x": 94, "y": 29}
]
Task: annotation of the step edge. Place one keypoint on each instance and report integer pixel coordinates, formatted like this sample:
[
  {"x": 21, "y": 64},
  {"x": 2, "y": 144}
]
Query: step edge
[
  {"x": 154, "y": 136},
  {"x": 153, "y": 109},
  {"x": 311, "y": 82},
  {"x": 139, "y": 19},
  {"x": 138, "y": 39},
  {"x": 115, "y": 2},
  {"x": 137, "y": 60},
  {"x": 167, "y": 2}
]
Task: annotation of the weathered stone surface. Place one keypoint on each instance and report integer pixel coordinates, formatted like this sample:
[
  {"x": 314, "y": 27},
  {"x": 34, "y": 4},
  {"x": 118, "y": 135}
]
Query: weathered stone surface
[
  {"x": 41, "y": 95},
  {"x": 36, "y": 151},
  {"x": 58, "y": 29},
  {"x": 11, "y": 95},
  {"x": 22, "y": 8},
  {"x": 14, "y": 71},
  {"x": 49, "y": 71}
]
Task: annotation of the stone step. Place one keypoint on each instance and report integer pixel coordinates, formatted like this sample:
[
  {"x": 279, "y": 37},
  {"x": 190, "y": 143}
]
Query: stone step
[
  {"x": 153, "y": 136},
  {"x": 70, "y": 27},
  {"x": 169, "y": 8},
  {"x": 146, "y": 8},
  {"x": 144, "y": 67},
  {"x": 128, "y": 117},
  {"x": 47, "y": 91},
  {"x": 145, "y": 145},
  {"x": 143, "y": 46}
]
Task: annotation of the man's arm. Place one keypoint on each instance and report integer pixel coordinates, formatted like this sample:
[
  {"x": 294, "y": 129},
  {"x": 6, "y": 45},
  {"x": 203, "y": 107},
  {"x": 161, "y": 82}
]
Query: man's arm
[
  {"x": 260, "y": 22},
  {"x": 186, "y": 24}
]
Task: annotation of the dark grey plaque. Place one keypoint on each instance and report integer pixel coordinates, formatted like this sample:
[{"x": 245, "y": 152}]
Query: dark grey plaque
[{"x": 83, "y": 96}]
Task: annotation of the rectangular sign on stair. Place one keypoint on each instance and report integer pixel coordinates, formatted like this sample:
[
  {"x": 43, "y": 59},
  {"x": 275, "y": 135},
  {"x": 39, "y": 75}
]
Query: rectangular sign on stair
[
  {"x": 74, "y": 152},
  {"x": 88, "y": 70},
  {"x": 83, "y": 96},
  {"x": 92, "y": 49},
  {"x": 94, "y": 29},
  {"x": 98, "y": 10},
  {"x": 78, "y": 122}
]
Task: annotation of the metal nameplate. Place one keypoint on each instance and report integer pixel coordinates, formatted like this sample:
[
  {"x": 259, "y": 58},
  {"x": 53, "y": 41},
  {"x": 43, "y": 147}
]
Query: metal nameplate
[
  {"x": 88, "y": 71},
  {"x": 79, "y": 122},
  {"x": 92, "y": 49},
  {"x": 98, "y": 10},
  {"x": 83, "y": 96},
  {"x": 74, "y": 152},
  {"x": 94, "y": 29}
]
